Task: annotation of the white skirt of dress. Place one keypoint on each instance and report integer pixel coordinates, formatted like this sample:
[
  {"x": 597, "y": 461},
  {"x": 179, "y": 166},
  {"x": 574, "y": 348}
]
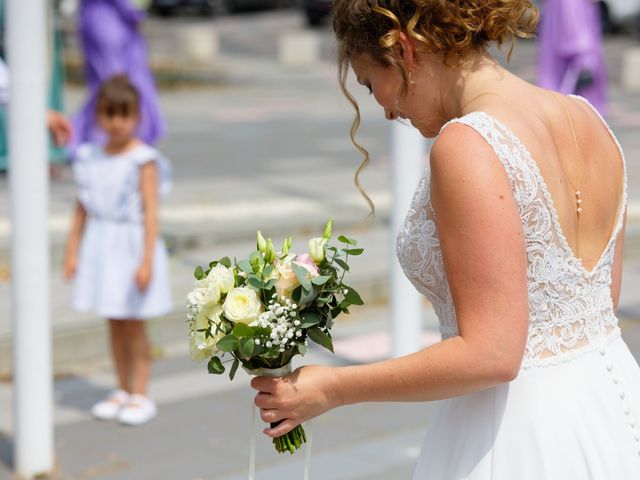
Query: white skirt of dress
[
  {"x": 109, "y": 257},
  {"x": 573, "y": 418}
]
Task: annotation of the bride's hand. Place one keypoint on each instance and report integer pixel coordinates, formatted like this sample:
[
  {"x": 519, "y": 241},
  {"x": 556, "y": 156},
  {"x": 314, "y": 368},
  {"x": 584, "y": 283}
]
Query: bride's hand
[{"x": 300, "y": 396}]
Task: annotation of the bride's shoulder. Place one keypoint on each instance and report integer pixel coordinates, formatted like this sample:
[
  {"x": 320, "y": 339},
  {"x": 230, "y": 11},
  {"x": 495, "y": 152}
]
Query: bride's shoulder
[{"x": 459, "y": 144}]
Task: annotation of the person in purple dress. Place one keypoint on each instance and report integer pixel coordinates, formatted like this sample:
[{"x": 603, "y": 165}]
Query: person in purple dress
[
  {"x": 112, "y": 45},
  {"x": 570, "y": 53}
]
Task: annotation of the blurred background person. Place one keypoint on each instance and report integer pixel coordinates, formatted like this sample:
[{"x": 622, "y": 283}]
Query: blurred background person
[
  {"x": 570, "y": 56},
  {"x": 59, "y": 126},
  {"x": 112, "y": 44}
]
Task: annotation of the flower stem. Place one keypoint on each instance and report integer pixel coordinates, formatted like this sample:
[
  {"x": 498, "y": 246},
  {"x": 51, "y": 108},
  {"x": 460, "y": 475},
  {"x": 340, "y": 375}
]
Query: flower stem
[{"x": 290, "y": 441}]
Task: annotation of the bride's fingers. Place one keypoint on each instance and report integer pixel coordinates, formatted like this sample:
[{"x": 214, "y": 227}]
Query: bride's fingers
[
  {"x": 279, "y": 430},
  {"x": 265, "y": 400},
  {"x": 271, "y": 415}
]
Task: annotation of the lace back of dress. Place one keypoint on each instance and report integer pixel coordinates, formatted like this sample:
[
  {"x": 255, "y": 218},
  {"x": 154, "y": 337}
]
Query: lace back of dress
[{"x": 570, "y": 308}]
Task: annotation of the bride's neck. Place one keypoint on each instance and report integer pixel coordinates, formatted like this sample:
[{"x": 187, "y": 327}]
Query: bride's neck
[{"x": 475, "y": 76}]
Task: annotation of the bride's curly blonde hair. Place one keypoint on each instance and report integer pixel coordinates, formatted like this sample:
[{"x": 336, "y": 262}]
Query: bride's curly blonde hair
[{"x": 450, "y": 29}]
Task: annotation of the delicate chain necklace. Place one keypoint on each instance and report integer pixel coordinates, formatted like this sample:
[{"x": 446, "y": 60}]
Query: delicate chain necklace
[{"x": 576, "y": 186}]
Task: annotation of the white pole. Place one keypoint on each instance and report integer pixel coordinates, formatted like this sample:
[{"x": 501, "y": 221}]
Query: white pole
[
  {"x": 28, "y": 187},
  {"x": 408, "y": 161}
]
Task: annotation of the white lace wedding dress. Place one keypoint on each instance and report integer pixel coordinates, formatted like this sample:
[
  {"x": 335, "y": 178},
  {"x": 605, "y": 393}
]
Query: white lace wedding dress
[{"x": 573, "y": 411}]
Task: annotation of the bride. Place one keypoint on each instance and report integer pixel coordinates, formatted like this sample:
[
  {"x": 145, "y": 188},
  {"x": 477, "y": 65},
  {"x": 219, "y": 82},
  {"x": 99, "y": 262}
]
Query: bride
[{"x": 515, "y": 235}]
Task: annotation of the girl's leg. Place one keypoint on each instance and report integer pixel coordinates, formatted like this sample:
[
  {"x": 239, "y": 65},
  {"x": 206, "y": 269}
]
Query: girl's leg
[
  {"x": 139, "y": 356},
  {"x": 120, "y": 353}
]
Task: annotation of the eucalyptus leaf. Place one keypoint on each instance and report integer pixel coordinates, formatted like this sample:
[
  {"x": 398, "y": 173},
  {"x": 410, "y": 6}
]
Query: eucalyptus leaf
[
  {"x": 245, "y": 266},
  {"x": 302, "y": 274},
  {"x": 255, "y": 283},
  {"x": 242, "y": 330},
  {"x": 309, "y": 319},
  {"x": 307, "y": 296},
  {"x": 350, "y": 241},
  {"x": 353, "y": 297},
  {"x": 353, "y": 251},
  {"x": 302, "y": 348},
  {"x": 270, "y": 284},
  {"x": 225, "y": 261},
  {"x": 199, "y": 273},
  {"x": 342, "y": 263},
  {"x": 321, "y": 338},
  {"x": 215, "y": 366},
  {"x": 320, "y": 279},
  {"x": 246, "y": 347},
  {"x": 228, "y": 343},
  {"x": 234, "y": 368}
]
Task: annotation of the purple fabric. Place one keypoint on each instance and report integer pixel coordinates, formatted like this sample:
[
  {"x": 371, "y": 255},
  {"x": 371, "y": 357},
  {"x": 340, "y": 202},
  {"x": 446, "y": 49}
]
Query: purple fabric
[
  {"x": 570, "y": 43},
  {"x": 112, "y": 44}
]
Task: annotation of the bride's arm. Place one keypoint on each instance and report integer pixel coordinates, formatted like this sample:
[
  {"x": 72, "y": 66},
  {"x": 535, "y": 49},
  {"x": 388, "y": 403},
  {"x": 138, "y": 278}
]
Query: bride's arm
[{"x": 482, "y": 243}]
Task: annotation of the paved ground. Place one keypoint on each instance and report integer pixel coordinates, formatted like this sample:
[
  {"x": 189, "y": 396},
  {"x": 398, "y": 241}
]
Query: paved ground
[{"x": 267, "y": 148}]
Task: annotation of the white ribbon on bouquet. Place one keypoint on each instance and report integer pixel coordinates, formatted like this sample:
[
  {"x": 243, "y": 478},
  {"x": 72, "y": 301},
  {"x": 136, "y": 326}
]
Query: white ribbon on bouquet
[{"x": 273, "y": 372}]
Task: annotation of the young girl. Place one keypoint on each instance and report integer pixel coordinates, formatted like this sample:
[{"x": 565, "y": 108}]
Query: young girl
[{"x": 118, "y": 262}]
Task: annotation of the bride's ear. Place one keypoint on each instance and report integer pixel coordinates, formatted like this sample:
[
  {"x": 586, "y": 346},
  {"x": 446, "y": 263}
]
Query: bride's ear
[{"x": 407, "y": 50}]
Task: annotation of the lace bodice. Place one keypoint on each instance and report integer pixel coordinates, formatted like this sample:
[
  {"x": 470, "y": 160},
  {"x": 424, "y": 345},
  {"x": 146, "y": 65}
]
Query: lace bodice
[{"x": 568, "y": 305}]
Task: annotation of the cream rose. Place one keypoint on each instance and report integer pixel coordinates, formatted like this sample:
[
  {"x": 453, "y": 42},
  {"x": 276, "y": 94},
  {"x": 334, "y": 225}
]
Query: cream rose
[
  {"x": 205, "y": 294},
  {"x": 203, "y": 346},
  {"x": 223, "y": 277},
  {"x": 242, "y": 305},
  {"x": 287, "y": 280}
]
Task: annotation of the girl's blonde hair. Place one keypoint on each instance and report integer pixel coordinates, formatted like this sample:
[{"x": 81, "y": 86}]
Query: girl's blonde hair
[{"x": 450, "y": 29}]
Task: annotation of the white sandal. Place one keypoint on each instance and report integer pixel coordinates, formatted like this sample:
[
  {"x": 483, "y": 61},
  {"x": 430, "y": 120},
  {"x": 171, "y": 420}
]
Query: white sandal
[
  {"x": 138, "y": 411},
  {"x": 109, "y": 408}
]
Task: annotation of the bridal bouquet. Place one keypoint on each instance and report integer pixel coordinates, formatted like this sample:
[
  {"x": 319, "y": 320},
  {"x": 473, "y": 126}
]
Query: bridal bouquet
[{"x": 260, "y": 312}]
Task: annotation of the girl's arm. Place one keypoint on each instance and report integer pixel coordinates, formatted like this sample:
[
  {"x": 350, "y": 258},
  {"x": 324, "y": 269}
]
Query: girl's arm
[
  {"x": 71, "y": 252},
  {"x": 481, "y": 238},
  {"x": 149, "y": 193}
]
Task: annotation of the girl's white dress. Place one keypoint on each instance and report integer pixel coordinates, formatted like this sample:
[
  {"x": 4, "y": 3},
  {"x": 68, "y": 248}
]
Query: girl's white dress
[
  {"x": 112, "y": 245},
  {"x": 573, "y": 411}
]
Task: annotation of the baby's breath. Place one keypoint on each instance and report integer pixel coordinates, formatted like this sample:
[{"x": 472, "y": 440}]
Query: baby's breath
[{"x": 281, "y": 318}]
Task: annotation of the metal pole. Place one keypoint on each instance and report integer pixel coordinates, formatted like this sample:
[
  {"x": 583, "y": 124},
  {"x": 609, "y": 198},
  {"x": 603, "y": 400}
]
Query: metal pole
[
  {"x": 29, "y": 190},
  {"x": 408, "y": 161}
]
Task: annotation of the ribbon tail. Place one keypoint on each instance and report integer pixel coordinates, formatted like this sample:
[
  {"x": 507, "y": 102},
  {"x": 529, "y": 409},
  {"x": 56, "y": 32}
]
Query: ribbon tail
[
  {"x": 307, "y": 452},
  {"x": 252, "y": 448}
]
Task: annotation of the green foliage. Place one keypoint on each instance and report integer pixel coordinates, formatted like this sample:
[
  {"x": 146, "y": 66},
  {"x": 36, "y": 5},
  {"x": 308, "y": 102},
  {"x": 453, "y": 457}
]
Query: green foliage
[
  {"x": 234, "y": 368},
  {"x": 199, "y": 273},
  {"x": 243, "y": 330},
  {"x": 320, "y": 280},
  {"x": 215, "y": 366},
  {"x": 309, "y": 319},
  {"x": 342, "y": 263},
  {"x": 247, "y": 345},
  {"x": 321, "y": 338},
  {"x": 302, "y": 275},
  {"x": 228, "y": 343},
  {"x": 349, "y": 241},
  {"x": 353, "y": 297}
]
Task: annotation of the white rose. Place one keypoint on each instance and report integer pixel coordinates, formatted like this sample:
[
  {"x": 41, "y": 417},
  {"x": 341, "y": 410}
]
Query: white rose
[
  {"x": 201, "y": 345},
  {"x": 316, "y": 249},
  {"x": 223, "y": 277},
  {"x": 206, "y": 294},
  {"x": 287, "y": 280},
  {"x": 242, "y": 305}
]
